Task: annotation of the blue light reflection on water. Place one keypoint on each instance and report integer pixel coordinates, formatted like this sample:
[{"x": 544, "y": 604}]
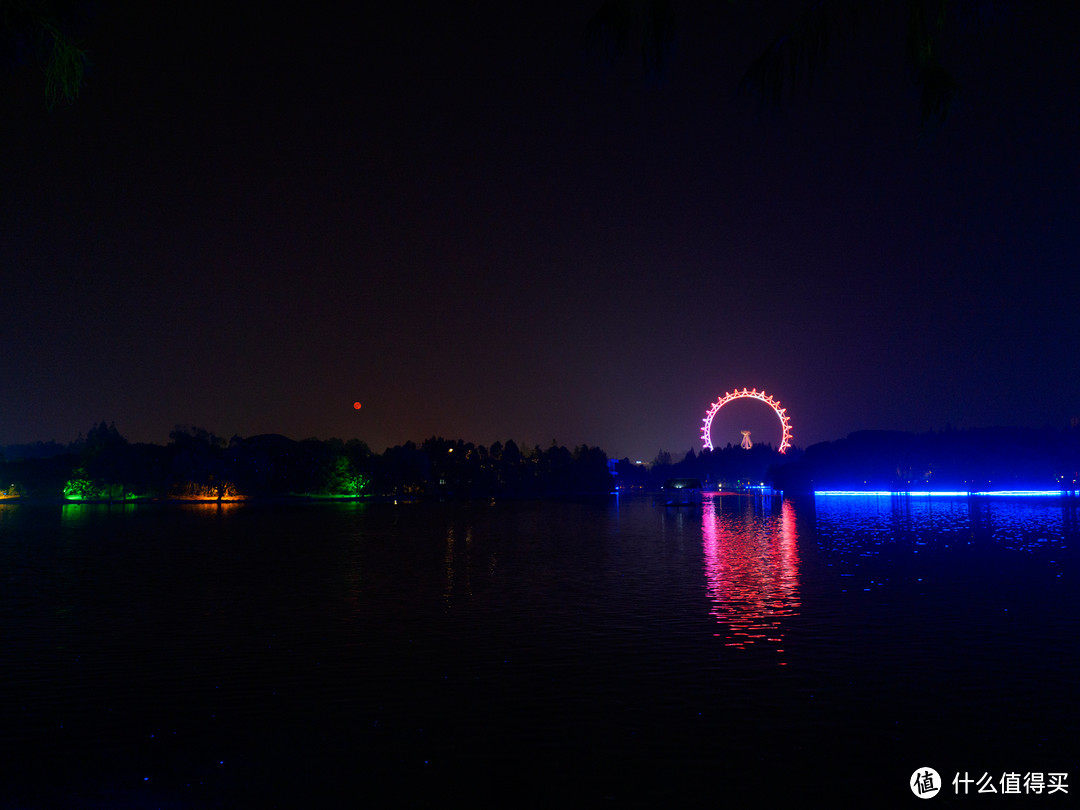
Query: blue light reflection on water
[
  {"x": 604, "y": 651},
  {"x": 1012, "y": 523}
]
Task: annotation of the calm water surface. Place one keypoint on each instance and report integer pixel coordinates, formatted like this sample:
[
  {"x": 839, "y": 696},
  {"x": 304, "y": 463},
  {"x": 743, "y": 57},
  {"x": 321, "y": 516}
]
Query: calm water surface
[{"x": 598, "y": 653}]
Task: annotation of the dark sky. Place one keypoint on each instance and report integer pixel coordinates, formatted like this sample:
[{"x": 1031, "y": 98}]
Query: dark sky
[{"x": 249, "y": 220}]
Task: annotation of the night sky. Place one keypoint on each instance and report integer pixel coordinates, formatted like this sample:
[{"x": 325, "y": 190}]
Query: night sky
[{"x": 448, "y": 212}]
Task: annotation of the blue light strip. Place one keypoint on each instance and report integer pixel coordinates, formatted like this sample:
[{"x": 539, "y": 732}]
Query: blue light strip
[
  {"x": 945, "y": 493},
  {"x": 1001, "y": 493},
  {"x": 1029, "y": 492}
]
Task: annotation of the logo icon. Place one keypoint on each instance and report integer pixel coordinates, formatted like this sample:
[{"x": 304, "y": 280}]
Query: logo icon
[{"x": 925, "y": 783}]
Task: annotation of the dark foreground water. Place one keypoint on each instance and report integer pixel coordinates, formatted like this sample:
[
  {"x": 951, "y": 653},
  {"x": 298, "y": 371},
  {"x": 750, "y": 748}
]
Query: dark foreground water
[{"x": 563, "y": 654}]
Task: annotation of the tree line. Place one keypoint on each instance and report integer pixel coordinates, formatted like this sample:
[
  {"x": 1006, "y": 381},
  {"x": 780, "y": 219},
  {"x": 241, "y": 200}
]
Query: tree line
[
  {"x": 975, "y": 460},
  {"x": 196, "y": 464},
  {"x": 730, "y": 467}
]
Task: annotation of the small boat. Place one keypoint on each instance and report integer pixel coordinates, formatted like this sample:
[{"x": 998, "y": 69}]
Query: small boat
[{"x": 682, "y": 492}]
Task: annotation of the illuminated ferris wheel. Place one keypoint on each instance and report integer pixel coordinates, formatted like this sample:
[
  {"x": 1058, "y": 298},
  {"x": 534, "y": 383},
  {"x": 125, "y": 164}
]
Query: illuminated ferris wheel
[{"x": 753, "y": 393}]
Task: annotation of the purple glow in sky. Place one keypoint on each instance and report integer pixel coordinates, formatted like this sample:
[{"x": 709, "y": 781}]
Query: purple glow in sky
[{"x": 249, "y": 221}]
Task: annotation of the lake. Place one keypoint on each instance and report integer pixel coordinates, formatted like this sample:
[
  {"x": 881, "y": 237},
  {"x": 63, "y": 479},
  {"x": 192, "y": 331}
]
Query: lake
[{"x": 594, "y": 653}]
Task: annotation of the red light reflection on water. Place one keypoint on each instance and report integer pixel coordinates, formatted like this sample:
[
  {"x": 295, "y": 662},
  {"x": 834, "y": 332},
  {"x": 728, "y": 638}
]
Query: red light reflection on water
[{"x": 751, "y": 567}]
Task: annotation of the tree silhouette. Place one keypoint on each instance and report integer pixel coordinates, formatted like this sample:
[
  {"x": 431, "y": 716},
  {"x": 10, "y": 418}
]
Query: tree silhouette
[
  {"x": 40, "y": 31},
  {"x": 802, "y": 48}
]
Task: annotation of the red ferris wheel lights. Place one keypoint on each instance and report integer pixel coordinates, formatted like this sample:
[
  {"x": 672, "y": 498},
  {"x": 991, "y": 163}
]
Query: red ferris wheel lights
[{"x": 753, "y": 393}]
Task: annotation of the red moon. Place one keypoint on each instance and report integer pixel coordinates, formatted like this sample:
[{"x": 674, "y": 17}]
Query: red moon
[{"x": 356, "y": 405}]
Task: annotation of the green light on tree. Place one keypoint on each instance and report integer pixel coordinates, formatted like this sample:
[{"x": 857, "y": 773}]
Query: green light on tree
[
  {"x": 343, "y": 480},
  {"x": 81, "y": 488}
]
